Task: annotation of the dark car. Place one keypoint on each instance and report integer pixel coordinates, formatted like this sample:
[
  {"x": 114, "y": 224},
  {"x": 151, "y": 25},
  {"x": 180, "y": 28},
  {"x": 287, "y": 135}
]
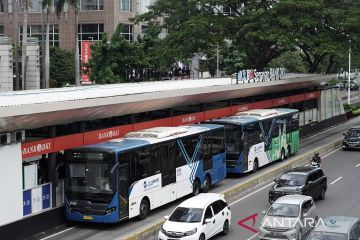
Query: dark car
[
  {"x": 351, "y": 139},
  {"x": 353, "y": 86},
  {"x": 309, "y": 181}
]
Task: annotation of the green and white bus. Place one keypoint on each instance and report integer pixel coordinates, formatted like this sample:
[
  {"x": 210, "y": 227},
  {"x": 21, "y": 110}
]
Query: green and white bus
[{"x": 258, "y": 137}]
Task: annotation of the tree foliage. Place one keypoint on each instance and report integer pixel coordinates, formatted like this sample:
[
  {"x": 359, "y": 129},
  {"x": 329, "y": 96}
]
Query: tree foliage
[
  {"x": 62, "y": 67},
  {"x": 259, "y": 31}
]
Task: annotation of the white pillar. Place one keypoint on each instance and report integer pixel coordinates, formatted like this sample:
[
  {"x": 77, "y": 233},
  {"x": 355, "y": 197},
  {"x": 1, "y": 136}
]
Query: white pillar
[
  {"x": 6, "y": 65},
  {"x": 33, "y": 64}
]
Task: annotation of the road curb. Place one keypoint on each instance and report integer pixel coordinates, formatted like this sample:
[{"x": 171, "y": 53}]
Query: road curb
[{"x": 150, "y": 233}]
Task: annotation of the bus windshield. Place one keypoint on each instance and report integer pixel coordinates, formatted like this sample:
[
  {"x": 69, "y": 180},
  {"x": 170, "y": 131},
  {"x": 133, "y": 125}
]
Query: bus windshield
[{"x": 89, "y": 173}]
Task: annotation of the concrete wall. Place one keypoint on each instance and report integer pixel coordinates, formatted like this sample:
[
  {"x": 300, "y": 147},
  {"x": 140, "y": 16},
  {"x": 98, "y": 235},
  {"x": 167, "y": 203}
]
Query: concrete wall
[
  {"x": 330, "y": 104},
  {"x": 11, "y": 192},
  {"x": 6, "y": 64}
]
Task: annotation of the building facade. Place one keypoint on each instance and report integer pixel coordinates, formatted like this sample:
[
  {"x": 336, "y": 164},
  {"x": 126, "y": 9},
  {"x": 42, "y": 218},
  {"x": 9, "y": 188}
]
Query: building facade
[{"x": 95, "y": 18}]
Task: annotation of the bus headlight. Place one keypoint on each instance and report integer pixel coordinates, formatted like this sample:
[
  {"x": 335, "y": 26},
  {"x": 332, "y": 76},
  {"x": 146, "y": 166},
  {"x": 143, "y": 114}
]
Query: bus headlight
[
  {"x": 110, "y": 210},
  {"x": 68, "y": 208}
]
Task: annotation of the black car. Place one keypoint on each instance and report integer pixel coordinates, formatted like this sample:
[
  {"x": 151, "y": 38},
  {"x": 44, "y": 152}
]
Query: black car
[
  {"x": 351, "y": 139},
  {"x": 309, "y": 181}
]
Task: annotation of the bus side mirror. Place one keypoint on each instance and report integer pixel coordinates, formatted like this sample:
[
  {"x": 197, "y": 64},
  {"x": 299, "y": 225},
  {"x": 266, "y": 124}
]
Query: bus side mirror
[{"x": 343, "y": 134}]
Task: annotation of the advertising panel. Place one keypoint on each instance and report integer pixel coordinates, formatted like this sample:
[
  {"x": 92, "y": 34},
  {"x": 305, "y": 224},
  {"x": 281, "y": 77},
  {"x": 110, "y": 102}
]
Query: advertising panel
[{"x": 85, "y": 56}]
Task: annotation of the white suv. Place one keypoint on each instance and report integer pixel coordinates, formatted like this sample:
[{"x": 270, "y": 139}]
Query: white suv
[
  {"x": 200, "y": 217},
  {"x": 289, "y": 217}
]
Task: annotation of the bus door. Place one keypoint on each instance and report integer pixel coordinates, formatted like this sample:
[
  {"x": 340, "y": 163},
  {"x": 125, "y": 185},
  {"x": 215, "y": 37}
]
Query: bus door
[
  {"x": 207, "y": 152},
  {"x": 123, "y": 190},
  {"x": 168, "y": 157}
]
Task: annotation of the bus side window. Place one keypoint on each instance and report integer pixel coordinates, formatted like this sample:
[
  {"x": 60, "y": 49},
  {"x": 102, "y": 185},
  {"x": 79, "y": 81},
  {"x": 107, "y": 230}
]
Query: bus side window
[
  {"x": 295, "y": 122},
  {"x": 206, "y": 147},
  {"x": 142, "y": 163},
  {"x": 180, "y": 158},
  {"x": 218, "y": 145},
  {"x": 155, "y": 159}
]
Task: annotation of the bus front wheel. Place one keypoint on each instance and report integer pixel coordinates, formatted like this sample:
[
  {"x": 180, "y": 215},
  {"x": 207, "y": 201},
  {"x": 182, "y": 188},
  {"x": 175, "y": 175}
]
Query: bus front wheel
[
  {"x": 256, "y": 165},
  {"x": 196, "y": 187},
  {"x": 207, "y": 184},
  {"x": 144, "y": 208}
]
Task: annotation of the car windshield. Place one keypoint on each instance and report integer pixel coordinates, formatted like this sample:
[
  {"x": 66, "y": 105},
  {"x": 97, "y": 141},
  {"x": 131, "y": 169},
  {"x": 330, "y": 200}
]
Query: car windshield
[
  {"x": 292, "y": 179},
  {"x": 189, "y": 215},
  {"x": 283, "y": 210},
  {"x": 327, "y": 236},
  {"x": 354, "y": 133}
]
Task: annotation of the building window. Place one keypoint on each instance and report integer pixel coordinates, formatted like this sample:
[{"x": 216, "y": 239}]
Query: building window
[
  {"x": 143, "y": 6},
  {"x": 1, "y": 30},
  {"x": 36, "y": 31},
  {"x": 125, "y": 5},
  {"x": 35, "y": 6},
  {"x": 90, "y": 32},
  {"x": 91, "y": 5},
  {"x": 127, "y": 32},
  {"x": 1, "y": 6}
]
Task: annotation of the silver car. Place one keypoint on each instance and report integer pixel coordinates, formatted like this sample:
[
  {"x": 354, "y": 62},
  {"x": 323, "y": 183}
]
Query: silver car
[{"x": 289, "y": 217}]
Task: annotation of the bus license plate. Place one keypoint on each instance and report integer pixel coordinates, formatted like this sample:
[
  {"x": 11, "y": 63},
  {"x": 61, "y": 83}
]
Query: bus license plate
[{"x": 88, "y": 218}]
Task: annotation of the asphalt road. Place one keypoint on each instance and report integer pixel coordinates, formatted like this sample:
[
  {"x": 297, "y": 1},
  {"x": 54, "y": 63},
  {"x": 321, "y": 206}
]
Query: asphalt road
[
  {"x": 257, "y": 202},
  {"x": 342, "y": 197}
]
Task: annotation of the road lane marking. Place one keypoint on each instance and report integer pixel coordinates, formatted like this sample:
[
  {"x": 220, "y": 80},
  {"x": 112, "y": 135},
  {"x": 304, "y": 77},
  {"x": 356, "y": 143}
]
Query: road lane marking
[
  {"x": 335, "y": 180},
  {"x": 253, "y": 236},
  {"x": 58, "y": 233},
  {"x": 260, "y": 189},
  {"x": 358, "y": 165},
  {"x": 328, "y": 154}
]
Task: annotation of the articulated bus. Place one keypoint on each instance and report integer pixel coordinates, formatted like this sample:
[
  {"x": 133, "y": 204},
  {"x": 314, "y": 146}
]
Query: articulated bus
[
  {"x": 258, "y": 137},
  {"x": 128, "y": 177}
]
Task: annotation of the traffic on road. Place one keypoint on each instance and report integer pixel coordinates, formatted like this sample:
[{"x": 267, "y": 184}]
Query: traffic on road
[{"x": 251, "y": 207}]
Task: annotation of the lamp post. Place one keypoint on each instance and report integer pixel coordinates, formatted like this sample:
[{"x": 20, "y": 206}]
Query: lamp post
[{"x": 349, "y": 79}]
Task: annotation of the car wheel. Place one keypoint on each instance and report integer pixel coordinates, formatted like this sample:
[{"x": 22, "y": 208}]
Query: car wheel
[
  {"x": 144, "y": 208},
  {"x": 282, "y": 155},
  {"x": 202, "y": 237},
  {"x": 196, "y": 187},
  {"x": 256, "y": 165},
  {"x": 288, "y": 152},
  {"x": 225, "y": 230},
  {"x": 322, "y": 195},
  {"x": 299, "y": 235},
  {"x": 207, "y": 184}
]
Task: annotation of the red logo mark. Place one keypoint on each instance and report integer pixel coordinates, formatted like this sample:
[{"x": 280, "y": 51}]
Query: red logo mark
[{"x": 252, "y": 229}]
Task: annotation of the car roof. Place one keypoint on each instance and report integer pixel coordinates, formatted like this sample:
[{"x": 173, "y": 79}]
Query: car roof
[
  {"x": 292, "y": 199},
  {"x": 336, "y": 224},
  {"x": 201, "y": 200},
  {"x": 304, "y": 170}
]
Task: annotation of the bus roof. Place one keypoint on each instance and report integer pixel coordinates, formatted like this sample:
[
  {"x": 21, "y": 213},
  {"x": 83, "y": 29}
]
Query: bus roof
[
  {"x": 254, "y": 115},
  {"x": 150, "y": 136}
]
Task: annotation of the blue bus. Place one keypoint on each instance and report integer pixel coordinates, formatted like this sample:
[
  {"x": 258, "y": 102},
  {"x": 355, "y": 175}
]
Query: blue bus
[
  {"x": 258, "y": 137},
  {"x": 128, "y": 177}
]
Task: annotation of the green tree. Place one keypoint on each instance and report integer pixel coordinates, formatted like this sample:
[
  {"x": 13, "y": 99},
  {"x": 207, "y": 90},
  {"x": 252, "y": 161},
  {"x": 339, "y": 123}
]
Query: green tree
[
  {"x": 115, "y": 61},
  {"x": 62, "y": 67},
  {"x": 291, "y": 60}
]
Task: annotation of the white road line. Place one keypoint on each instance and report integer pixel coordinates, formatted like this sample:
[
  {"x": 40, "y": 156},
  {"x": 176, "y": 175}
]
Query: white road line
[
  {"x": 335, "y": 180},
  {"x": 240, "y": 199},
  {"x": 358, "y": 165},
  {"x": 55, "y": 234},
  {"x": 253, "y": 236},
  {"x": 326, "y": 155}
]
